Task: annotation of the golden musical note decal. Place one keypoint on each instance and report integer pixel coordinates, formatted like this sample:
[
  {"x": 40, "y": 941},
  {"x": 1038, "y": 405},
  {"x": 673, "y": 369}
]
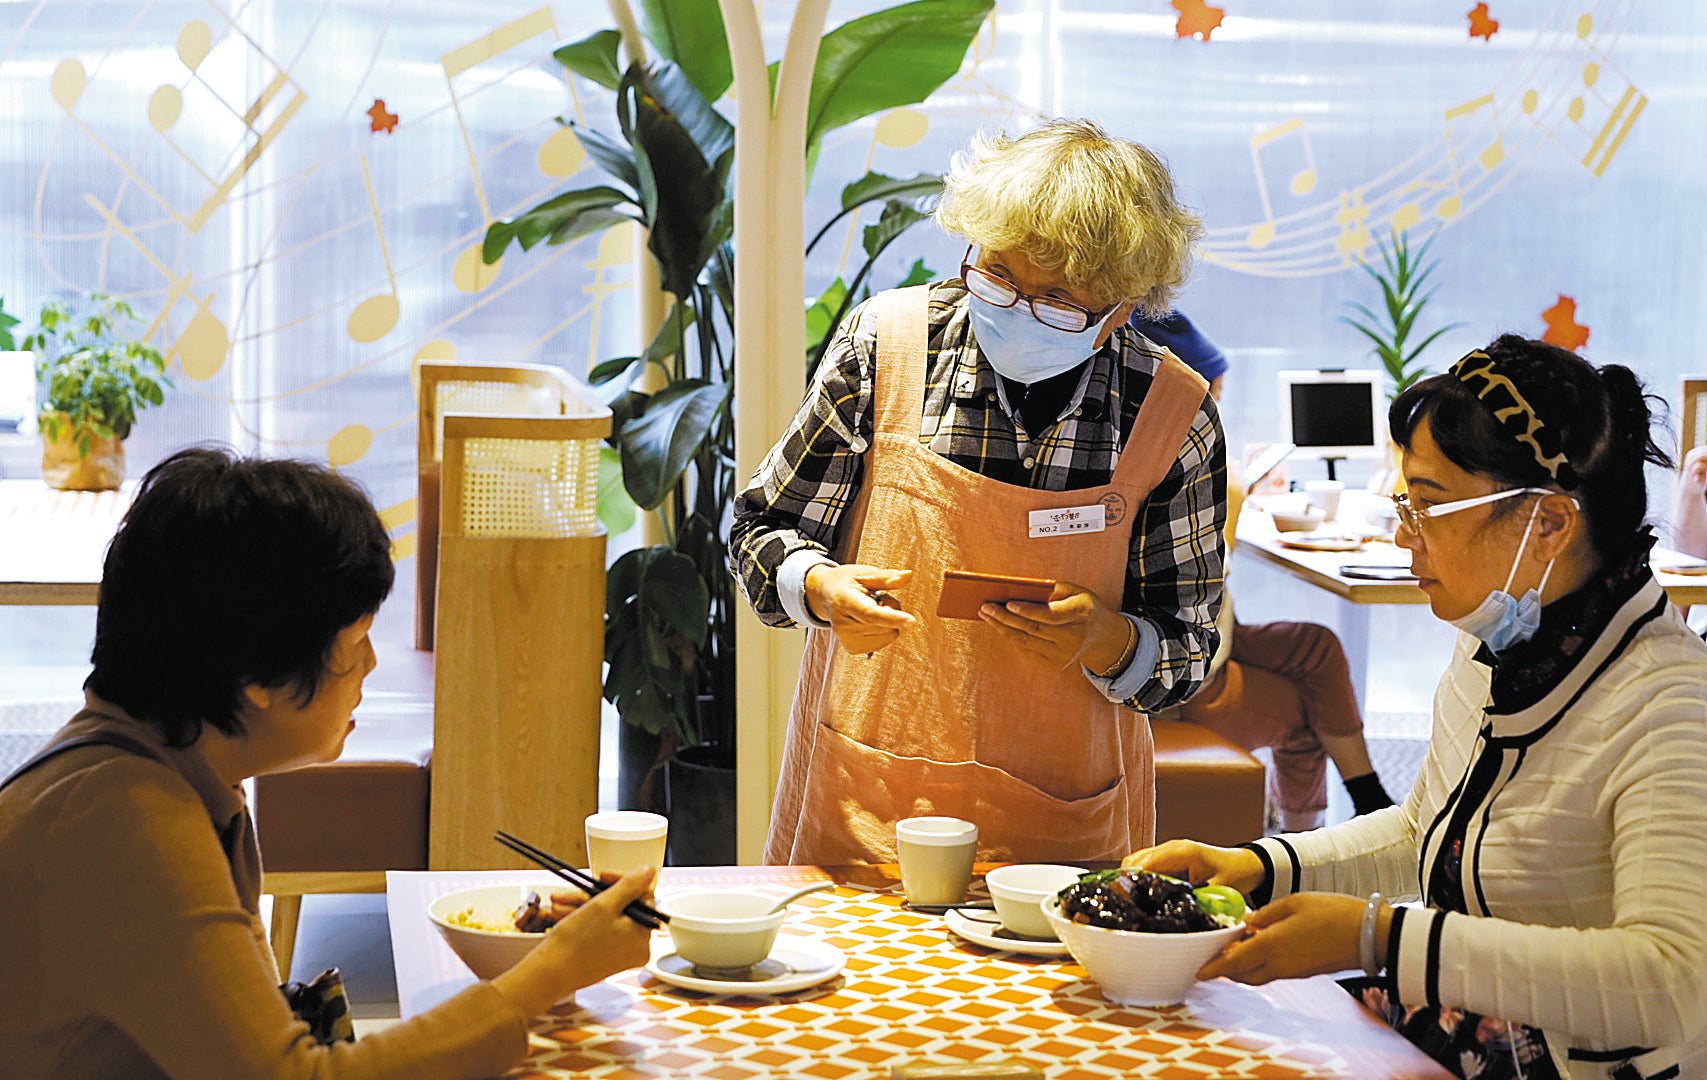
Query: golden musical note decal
[
  {"x": 1459, "y": 117},
  {"x": 349, "y": 445},
  {"x": 201, "y": 349},
  {"x": 901, "y": 128},
  {"x": 374, "y": 317},
  {"x": 194, "y": 42},
  {"x": 1610, "y": 114},
  {"x": 1353, "y": 218},
  {"x": 264, "y": 119},
  {"x": 470, "y": 273},
  {"x": 1303, "y": 180}
]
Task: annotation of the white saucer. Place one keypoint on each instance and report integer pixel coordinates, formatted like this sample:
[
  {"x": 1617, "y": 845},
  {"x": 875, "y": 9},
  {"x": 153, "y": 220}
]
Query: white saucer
[
  {"x": 1321, "y": 541},
  {"x": 993, "y": 935},
  {"x": 794, "y": 964}
]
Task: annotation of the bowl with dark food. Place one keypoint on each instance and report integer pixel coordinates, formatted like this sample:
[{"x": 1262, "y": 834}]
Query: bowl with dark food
[
  {"x": 493, "y": 926},
  {"x": 1141, "y": 936}
]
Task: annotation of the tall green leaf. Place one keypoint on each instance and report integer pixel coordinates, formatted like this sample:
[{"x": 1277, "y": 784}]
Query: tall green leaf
[
  {"x": 896, "y": 219},
  {"x": 593, "y": 58},
  {"x": 568, "y": 216},
  {"x": 874, "y": 186},
  {"x": 616, "y": 158},
  {"x": 658, "y": 445},
  {"x": 680, "y": 144},
  {"x": 616, "y": 510},
  {"x": 897, "y": 56},
  {"x": 690, "y": 33}
]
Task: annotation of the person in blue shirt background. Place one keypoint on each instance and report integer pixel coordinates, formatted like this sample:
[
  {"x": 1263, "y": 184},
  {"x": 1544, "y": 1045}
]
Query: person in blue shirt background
[{"x": 1283, "y": 685}]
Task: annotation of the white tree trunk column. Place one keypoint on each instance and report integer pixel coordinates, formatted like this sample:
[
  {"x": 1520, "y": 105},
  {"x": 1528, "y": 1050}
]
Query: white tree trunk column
[{"x": 770, "y": 349}]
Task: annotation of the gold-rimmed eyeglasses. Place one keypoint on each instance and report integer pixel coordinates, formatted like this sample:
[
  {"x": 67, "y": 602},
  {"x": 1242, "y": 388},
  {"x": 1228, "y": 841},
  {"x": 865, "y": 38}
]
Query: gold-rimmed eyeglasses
[
  {"x": 1412, "y": 516},
  {"x": 998, "y": 291}
]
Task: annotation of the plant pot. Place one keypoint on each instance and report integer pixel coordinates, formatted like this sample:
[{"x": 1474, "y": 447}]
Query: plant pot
[
  {"x": 700, "y": 793},
  {"x": 640, "y": 760},
  {"x": 64, "y": 469}
]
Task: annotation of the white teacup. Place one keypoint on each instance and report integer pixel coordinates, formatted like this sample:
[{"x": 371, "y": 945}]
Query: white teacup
[
  {"x": 723, "y": 930},
  {"x": 1019, "y": 891},
  {"x": 1324, "y": 495},
  {"x": 622, "y": 840},
  {"x": 936, "y": 856}
]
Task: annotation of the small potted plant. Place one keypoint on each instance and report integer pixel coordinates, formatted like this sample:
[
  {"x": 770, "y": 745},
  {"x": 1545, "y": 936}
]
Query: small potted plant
[{"x": 97, "y": 378}]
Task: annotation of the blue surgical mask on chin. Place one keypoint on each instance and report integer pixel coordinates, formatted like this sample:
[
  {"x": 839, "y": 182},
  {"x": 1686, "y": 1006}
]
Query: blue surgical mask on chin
[
  {"x": 1501, "y": 620},
  {"x": 1024, "y": 350}
]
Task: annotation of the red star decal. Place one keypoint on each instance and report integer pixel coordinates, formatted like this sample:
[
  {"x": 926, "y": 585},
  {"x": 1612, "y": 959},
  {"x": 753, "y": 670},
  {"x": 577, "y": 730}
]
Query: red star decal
[
  {"x": 1480, "y": 25},
  {"x": 1563, "y": 329},
  {"x": 380, "y": 119},
  {"x": 1196, "y": 17}
]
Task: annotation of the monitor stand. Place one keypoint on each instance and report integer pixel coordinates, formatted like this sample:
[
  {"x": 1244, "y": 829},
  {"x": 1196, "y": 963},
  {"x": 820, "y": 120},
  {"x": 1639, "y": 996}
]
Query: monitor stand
[{"x": 1329, "y": 461}]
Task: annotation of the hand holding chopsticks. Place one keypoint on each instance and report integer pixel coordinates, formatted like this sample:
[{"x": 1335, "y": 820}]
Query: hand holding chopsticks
[{"x": 643, "y": 914}]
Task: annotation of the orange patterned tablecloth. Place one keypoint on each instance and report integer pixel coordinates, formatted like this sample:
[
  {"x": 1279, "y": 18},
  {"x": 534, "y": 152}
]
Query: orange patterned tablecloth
[{"x": 911, "y": 991}]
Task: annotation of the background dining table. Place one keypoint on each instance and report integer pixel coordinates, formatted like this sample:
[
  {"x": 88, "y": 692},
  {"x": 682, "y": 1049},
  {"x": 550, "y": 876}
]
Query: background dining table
[{"x": 910, "y": 991}]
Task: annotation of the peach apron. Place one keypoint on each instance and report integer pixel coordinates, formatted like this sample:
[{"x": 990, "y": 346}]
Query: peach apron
[{"x": 952, "y": 718}]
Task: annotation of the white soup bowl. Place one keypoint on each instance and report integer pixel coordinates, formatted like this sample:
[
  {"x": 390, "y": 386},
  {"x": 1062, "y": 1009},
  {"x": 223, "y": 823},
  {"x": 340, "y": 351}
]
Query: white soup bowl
[
  {"x": 722, "y": 930},
  {"x": 1019, "y": 889}
]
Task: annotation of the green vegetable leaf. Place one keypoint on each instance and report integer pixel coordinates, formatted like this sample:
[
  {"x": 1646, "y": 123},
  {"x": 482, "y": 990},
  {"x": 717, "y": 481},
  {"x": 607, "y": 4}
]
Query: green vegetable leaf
[{"x": 1220, "y": 900}]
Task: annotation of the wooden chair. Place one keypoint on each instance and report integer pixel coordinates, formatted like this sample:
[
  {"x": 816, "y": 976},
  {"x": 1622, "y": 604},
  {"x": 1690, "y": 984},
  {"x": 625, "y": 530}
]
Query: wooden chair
[{"x": 519, "y": 633}]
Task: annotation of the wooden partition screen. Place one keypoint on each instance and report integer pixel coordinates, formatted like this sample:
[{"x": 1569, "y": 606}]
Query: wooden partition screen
[
  {"x": 1692, "y": 431},
  {"x": 519, "y": 632},
  {"x": 481, "y": 389}
]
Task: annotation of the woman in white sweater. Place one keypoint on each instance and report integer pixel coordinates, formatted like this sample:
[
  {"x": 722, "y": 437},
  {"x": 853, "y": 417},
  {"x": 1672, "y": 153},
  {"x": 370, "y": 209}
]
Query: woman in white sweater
[{"x": 1556, "y": 839}]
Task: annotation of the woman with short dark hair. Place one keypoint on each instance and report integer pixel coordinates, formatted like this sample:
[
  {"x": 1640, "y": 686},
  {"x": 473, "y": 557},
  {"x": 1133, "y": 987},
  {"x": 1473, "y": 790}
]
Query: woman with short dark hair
[
  {"x": 231, "y": 640},
  {"x": 1556, "y": 827}
]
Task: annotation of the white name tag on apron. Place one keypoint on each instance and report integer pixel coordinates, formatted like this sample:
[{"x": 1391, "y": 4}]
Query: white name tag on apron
[{"x": 1067, "y": 521}]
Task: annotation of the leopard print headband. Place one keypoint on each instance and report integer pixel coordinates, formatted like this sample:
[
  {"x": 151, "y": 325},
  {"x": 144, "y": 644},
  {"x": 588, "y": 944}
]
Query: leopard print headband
[{"x": 1511, "y": 410}]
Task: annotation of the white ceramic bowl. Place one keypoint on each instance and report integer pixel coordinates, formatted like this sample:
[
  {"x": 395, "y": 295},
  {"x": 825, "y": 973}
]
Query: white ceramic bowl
[
  {"x": 1018, "y": 890},
  {"x": 486, "y": 947},
  {"x": 1134, "y": 968},
  {"x": 722, "y": 929},
  {"x": 1302, "y": 521}
]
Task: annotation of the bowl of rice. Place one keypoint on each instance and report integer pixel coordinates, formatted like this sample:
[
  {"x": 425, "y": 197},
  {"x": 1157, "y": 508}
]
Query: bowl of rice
[{"x": 479, "y": 925}]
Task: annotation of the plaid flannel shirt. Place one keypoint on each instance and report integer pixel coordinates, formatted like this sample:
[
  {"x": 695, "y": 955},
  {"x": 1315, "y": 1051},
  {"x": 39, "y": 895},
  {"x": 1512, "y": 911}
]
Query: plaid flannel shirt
[{"x": 1174, "y": 572}]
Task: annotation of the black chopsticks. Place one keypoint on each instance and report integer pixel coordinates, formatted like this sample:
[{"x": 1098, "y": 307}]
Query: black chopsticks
[{"x": 646, "y": 916}]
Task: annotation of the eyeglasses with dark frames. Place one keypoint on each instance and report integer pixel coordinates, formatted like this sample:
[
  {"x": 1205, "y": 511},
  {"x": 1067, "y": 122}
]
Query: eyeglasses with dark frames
[{"x": 998, "y": 291}]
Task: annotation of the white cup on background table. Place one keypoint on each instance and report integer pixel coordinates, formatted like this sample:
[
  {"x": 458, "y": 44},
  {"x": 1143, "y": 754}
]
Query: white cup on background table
[{"x": 1324, "y": 495}]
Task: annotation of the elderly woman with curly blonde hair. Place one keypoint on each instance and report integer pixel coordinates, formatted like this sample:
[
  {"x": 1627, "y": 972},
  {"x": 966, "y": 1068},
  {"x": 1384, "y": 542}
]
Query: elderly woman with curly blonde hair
[{"x": 1007, "y": 422}]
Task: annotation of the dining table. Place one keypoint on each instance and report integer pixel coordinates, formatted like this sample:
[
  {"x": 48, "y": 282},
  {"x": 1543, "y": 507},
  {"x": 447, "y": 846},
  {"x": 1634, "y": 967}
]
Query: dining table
[
  {"x": 52, "y": 542},
  {"x": 902, "y": 988}
]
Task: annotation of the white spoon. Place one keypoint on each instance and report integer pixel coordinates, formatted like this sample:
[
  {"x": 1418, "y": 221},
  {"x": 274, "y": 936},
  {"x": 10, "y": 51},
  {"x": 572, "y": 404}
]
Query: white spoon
[{"x": 798, "y": 893}]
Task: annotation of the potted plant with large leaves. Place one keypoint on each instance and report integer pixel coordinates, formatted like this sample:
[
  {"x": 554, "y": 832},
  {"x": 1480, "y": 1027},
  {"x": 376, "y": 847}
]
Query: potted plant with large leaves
[
  {"x": 97, "y": 377},
  {"x": 670, "y": 630}
]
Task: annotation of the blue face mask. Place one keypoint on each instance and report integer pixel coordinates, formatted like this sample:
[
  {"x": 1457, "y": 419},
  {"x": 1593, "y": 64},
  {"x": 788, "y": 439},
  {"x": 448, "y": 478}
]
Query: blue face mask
[
  {"x": 1024, "y": 350},
  {"x": 1502, "y": 620}
]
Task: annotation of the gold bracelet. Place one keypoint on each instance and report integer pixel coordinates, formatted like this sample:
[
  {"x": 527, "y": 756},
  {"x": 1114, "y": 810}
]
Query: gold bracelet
[{"x": 1126, "y": 652}]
